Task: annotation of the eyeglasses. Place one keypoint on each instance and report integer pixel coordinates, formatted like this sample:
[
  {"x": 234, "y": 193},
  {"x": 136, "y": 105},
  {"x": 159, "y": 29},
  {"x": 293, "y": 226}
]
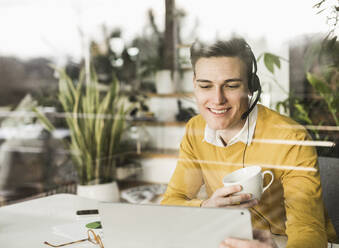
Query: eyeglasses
[{"x": 92, "y": 237}]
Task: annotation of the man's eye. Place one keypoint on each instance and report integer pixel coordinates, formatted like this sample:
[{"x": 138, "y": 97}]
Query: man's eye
[
  {"x": 234, "y": 86},
  {"x": 204, "y": 86}
]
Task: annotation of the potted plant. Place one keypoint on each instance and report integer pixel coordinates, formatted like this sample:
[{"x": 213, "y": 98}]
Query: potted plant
[
  {"x": 161, "y": 61},
  {"x": 96, "y": 122}
]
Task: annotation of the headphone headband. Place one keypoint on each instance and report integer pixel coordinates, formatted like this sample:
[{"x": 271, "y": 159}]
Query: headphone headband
[{"x": 253, "y": 82}]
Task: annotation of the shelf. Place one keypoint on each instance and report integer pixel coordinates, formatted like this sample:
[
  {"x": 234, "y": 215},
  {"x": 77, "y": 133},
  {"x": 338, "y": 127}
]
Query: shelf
[
  {"x": 160, "y": 123},
  {"x": 184, "y": 45},
  {"x": 157, "y": 153},
  {"x": 186, "y": 68},
  {"x": 160, "y": 153},
  {"x": 131, "y": 183},
  {"x": 171, "y": 95},
  {"x": 174, "y": 95}
]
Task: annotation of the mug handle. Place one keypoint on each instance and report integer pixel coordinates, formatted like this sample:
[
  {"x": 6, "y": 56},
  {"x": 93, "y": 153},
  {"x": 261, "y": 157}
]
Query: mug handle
[{"x": 263, "y": 175}]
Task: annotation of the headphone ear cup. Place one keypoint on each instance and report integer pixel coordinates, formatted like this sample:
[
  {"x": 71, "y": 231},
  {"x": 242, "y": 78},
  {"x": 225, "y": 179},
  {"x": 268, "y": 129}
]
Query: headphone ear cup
[{"x": 255, "y": 83}]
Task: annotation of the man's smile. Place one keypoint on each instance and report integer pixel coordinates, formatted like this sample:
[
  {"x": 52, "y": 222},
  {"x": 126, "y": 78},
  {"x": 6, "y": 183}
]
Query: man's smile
[{"x": 219, "y": 111}]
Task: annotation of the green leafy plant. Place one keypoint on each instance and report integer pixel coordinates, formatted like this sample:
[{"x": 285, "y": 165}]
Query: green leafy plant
[
  {"x": 300, "y": 111},
  {"x": 321, "y": 63},
  {"x": 321, "y": 72},
  {"x": 270, "y": 60},
  {"x": 330, "y": 96},
  {"x": 96, "y": 122},
  {"x": 321, "y": 68}
]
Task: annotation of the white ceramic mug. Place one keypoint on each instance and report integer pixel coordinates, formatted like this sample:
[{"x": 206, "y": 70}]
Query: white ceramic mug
[{"x": 251, "y": 179}]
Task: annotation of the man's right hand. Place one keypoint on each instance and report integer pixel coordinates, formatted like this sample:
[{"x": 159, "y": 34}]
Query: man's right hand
[
  {"x": 223, "y": 197},
  {"x": 262, "y": 239}
]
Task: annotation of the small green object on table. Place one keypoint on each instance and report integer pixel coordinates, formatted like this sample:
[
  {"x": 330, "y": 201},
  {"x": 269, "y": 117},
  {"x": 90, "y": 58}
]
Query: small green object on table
[{"x": 94, "y": 225}]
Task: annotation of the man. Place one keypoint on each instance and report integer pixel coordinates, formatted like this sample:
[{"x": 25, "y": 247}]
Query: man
[{"x": 231, "y": 132}]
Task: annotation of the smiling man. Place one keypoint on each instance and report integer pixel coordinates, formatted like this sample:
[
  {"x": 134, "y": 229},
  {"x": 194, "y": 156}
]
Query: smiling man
[
  {"x": 221, "y": 92},
  {"x": 232, "y": 132}
]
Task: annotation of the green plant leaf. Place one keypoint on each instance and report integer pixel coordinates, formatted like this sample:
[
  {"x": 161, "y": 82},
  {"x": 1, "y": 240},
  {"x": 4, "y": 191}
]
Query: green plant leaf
[
  {"x": 302, "y": 113},
  {"x": 320, "y": 85},
  {"x": 43, "y": 120},
  {"x": 324, "y": 90},
  {"x": 270, "y": 61}
]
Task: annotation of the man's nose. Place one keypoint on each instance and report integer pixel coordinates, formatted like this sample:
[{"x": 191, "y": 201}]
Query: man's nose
[{"x": 219, "y": 97}]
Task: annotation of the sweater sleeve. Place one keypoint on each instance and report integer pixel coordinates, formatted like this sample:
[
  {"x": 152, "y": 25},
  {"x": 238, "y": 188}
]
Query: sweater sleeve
[
  {"x": 186, "y": 179},
  {"x": 305, "y": 225}
]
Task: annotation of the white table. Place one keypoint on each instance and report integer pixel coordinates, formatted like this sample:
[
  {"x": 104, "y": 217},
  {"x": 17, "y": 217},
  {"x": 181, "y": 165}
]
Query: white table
[{"x": 30, "y": 223}]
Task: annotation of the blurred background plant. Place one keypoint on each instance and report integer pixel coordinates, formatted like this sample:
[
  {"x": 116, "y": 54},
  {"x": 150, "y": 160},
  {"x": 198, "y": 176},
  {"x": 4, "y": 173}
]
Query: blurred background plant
[
  {"x": 96, "y": 122},
  {"x": 318, "y": 106},
  {"x": 321, "y": 67},
  {"x": 153, "y": 47}
]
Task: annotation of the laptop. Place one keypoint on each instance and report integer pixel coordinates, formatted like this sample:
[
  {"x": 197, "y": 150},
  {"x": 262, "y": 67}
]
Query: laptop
[{"x": 146, "y": 226}]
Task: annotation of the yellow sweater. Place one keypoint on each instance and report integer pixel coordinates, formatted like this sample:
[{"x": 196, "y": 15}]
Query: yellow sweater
[{"x": 292, "y": 204}]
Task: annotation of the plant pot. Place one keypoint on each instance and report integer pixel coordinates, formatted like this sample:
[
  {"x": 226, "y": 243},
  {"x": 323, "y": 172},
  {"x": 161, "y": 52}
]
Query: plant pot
[
  {"x": 186, "y": 82},
  {"x": 164, "y": 82},
  {"x": 106, "y": 192}
]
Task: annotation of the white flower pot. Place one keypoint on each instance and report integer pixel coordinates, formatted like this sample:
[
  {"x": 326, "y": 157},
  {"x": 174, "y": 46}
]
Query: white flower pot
[
  {"x": 106, "y": 192},
  {"x": 186, "y": 82},
  {"x": 164, "y": 82}
]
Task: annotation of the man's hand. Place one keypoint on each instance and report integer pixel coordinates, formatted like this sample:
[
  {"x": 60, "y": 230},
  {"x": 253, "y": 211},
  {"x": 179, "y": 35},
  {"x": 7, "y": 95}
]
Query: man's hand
[
  {"x": 223, "y": 197},
  {"x": 263, "y": 239}
]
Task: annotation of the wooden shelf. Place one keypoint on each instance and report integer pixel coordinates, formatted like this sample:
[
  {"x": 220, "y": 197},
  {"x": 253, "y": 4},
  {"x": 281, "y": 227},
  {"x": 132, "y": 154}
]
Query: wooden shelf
[
  {"x": 186, "y": 68},
  {"x": 131, "y": 183},
  {"x": 152, "y": 153},
  {"x": 160, "y": 123},
  {"x": 157, "y": 153},
  {"x": 184, "y": 45},
  {"x": 160, "y": 153},
  {"x": 174, "y": 95}
]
